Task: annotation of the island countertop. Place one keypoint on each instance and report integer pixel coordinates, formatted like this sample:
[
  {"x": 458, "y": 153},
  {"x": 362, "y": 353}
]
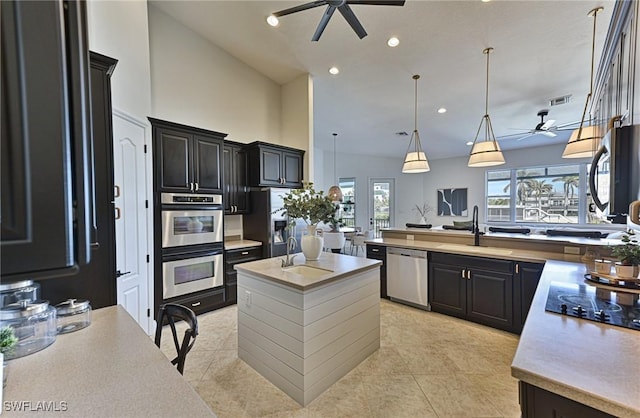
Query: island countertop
[
  {"x": 595, "y": 364},
  {"x": 337, "y": 266},
  {"x": 109, "y": 369}
]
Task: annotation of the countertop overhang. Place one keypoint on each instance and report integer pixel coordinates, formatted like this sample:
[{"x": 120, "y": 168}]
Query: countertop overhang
[{"x": 337, "y": 266}]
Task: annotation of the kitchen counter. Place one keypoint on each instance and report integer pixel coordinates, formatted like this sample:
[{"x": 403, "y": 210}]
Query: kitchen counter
[
  {"x": 236, "y": 244},
  {"x": 337, "y": 267},
  {"x": 534, "y": 256},
  {"x": 109, "y": 369},
  {"x": 301, "y": 332},
  {"x": 594, "y": 364}
]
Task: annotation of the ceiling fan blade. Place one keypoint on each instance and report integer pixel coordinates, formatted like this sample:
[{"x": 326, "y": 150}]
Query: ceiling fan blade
[
  {"x": 323, "y": 22},
  {"x": 500, "y": 138},
  {"x": 549, "y": 134},
  {"x": 352, "y": 20},
  {"x": 300, "y": 8},
  {"x": 526, "y": 136},
  {"x": 378, "y": 3},
  {"x": 548, "y": 124}
]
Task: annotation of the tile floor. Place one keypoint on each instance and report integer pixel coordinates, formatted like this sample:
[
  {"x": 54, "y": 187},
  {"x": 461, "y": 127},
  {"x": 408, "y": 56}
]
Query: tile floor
[{"x": 428, "y": 365}]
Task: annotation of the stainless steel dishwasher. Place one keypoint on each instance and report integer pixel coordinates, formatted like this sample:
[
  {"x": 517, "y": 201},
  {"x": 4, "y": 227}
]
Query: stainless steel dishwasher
[{"x": 407, "y": 272}]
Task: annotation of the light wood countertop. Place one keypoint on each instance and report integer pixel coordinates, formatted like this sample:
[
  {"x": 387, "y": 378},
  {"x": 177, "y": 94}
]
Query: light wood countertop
[
  {"x": 592, "y": 363},
  {"x": 109, "y": 369},
  {"x": 236, "y": 244},
  {"x": 337, "y": 266}
]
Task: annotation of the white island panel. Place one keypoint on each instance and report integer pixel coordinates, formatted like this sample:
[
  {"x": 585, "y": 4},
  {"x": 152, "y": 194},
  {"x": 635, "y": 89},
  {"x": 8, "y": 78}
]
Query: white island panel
[{"x": 304, "y": 339}]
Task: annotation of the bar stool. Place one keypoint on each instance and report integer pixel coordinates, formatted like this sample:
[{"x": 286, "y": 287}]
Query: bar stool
[{"x": 173, "y": 313}]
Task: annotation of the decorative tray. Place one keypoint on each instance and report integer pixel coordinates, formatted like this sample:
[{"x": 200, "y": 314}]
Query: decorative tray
[{"x": 613, "y": 280}]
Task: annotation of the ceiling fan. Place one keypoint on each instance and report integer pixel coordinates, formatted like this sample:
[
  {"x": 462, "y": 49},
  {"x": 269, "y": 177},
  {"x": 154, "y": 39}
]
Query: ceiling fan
[
  {"x": 545, "y": 128},
  {"x": 343, "y": 8}
]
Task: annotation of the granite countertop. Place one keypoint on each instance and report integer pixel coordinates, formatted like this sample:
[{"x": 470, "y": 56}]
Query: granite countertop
[
  {"x": 464, "y": 249},
  {"x": 109, "y": 369},
  {"x": 236, "y": 244},
  {"x": 592, "y": 363},
  {"x": 508, "y": 236},
  {"x": 335, "y": 266}
]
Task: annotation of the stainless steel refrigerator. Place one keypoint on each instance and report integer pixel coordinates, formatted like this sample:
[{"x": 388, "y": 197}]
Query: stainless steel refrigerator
[{"x": 267, "y": 225}]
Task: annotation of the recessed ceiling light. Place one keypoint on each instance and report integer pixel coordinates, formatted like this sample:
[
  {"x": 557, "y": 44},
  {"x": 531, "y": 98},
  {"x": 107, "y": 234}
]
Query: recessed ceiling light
[
  {"x": 272, "y": 20},
  {"x": 486, "y": 1},
  {"x": 470, "y": 143},
  {"x": 334, "y": 70},
  {"x": 442, "y": 110},
  {"x": 393, "y": 42}
]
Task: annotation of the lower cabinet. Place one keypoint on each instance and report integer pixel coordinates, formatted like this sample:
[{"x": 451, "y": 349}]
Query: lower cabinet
[
  {"x": 474, "y": 288},
  {"x": 539, "y": 403},
  {"x": 525, "y": 283},
  {"x": 231, "y": 258},
  {"x": 379, "y": 252}
]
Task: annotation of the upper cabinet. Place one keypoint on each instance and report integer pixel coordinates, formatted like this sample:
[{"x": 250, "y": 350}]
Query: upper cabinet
[
  {"x": 236, "y": 190},
  {"x": 46, "y": 176},
  {"x": 274, "y": 165},
  {"x": 187, "y": 159}
]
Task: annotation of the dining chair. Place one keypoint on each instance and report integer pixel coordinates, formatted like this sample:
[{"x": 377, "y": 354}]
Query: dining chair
[{"x": 172, "y": 313}]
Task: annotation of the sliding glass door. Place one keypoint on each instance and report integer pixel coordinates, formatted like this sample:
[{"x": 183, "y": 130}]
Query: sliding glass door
[{"x": 381, "y": 204}]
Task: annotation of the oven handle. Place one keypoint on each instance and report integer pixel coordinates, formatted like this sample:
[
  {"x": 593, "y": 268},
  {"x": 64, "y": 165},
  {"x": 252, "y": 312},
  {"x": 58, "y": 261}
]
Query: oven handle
[
  {"x": 168, "y": 207},
  {"x": 189, "y": 255}
]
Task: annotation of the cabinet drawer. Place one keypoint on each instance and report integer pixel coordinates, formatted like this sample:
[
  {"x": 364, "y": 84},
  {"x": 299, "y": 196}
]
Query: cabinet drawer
[
  {"x": 472, "y": 262},
  {"x": 202, "y": 301},
  {"x": 234, "y": 256},
  {"x": 377, "y": 252}
]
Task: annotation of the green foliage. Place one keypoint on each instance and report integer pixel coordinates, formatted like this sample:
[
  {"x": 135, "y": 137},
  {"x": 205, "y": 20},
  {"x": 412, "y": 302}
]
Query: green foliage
[
  {"x": 629, "y": 252},
  {"x": 8, "y": 339},
  {"x": 309, "y": 205}
]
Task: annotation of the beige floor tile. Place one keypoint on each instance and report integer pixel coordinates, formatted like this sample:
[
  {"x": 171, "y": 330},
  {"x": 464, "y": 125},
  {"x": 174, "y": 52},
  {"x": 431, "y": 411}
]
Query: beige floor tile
[
  {"x": 396, "y": 396},
  {"x": 455, "y": 395},
  {"x": 428, "y": 365}
]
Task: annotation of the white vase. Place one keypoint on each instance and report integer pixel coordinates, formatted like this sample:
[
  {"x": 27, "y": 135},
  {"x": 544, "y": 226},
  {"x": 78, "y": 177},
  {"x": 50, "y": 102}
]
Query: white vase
[{"x": 311, "y": 244}]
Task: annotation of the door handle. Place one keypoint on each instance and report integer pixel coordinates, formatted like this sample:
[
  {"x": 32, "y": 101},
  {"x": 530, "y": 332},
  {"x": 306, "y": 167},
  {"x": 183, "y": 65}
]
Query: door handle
[
  {"x": 517, "y": 268},
  {"x": 197, "y": 186},
  {"x": 117, "y": 209},
  {"x": 464, "y": 273},
  {"x": 469, "y": 274},
  {"x": 118, "y": 273},
  {"x": 116, "y": 191}
]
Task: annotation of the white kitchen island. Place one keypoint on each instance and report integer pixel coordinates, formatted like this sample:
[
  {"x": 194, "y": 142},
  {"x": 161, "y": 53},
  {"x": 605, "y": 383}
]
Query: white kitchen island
[{"x": 303, "y": 328}]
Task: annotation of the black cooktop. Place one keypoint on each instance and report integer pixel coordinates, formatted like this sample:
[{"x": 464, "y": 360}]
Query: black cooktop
[{"x": 595, "y": 304}]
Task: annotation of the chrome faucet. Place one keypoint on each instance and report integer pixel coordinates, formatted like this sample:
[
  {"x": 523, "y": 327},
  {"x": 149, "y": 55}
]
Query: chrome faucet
[
  {"x": 292, "y": 243},
  {"x": 476, "y": 227}
]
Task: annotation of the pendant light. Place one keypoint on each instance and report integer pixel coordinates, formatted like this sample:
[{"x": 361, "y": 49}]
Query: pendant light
[
  {"x": 584, "y": 140},
  {"x": 335, "y": 193},
  {"x": 486, "y": 153},
  {"x": 415, "y": 161}
]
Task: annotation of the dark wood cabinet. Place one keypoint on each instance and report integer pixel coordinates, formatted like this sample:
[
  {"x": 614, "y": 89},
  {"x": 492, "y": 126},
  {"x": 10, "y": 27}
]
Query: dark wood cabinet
[
  {"x": 379, "y": 252},
  {"x": 46, "y": 185},
  {"x": 539, "y": 403},
  {"x": 236, "y": 189},
  {"x": 526, "y": 279},
  {"x": 96, "y": 281},
  {"x": 474, "y": 288},
  {"x": 231, "y": 258},
  {"x": 200, "y": 302},
  {"x": 188, "y": 159},
  {"x": 274, "y": 165}
]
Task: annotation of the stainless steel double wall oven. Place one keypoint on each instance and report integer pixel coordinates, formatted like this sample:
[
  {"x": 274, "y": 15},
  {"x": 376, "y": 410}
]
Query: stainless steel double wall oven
[{"x": 192, "y": 243}]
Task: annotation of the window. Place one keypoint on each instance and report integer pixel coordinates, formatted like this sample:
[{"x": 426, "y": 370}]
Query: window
[
  {"x": 546, "y": 195},
  {"x": 348, "y": 214}
]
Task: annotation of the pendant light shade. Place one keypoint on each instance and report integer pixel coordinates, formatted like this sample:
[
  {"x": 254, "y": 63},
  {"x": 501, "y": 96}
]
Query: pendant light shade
[
  {"x": 335, "y": 193},
  {"x": 415, "y": 160},
  {"x": 585, "y": 140},
  {"x": 486, "y": 153}
]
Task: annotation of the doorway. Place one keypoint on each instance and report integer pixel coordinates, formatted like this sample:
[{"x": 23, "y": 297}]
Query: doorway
[{"x": 381, "y": 204}]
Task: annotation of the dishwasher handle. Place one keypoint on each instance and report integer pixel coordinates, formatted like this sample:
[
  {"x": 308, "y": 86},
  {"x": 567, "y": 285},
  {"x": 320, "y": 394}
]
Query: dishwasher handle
[{"x": 407, "y": 252}]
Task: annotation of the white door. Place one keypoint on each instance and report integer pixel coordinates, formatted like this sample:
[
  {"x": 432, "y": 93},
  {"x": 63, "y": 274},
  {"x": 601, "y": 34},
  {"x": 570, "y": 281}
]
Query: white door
[
  {"x": 134, "y": 288},
  {"x": 381, "y": 204}
]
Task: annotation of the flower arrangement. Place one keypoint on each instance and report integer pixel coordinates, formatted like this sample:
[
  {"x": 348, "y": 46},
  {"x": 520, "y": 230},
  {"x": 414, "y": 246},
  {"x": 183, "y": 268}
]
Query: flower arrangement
[
  {"x": 309, "y": 205},
  {"x": 8, "y": 340},
  {"x": 423, "y": 210},
  {"x": 629, "y": 252}
]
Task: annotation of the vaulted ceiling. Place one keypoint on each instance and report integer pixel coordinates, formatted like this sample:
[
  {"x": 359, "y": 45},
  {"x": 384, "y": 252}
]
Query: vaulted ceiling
[{"x": 541, "y": 51}]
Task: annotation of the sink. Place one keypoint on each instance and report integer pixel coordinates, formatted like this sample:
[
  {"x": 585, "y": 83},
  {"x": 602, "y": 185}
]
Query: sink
[
  {"x": 474, "y": 249},
  {"x": 307, "y": 271}
]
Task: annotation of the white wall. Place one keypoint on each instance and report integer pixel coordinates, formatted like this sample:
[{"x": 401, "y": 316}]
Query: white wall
[
  {"x": 119, "y": 29},
  {"x": 415, "y": 189},
  {"x": 194, "y": 82},
  {"x": 297, "y": 119}
]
